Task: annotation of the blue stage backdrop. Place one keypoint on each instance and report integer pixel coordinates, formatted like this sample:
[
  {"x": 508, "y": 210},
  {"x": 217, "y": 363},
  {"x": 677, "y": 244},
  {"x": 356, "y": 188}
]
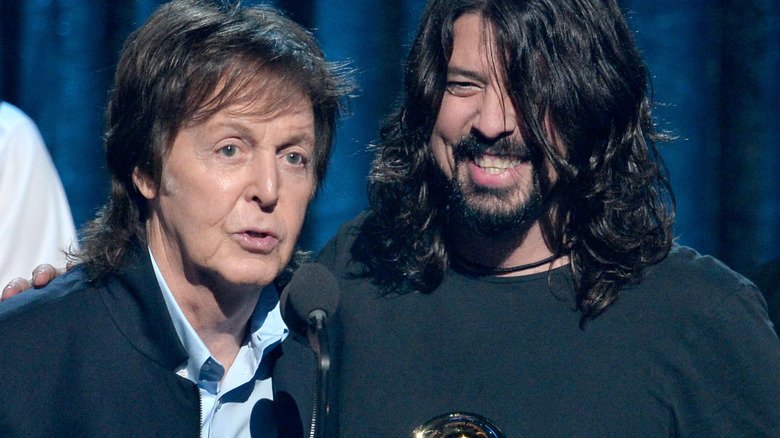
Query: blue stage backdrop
[{"x": 715, "y": 66}]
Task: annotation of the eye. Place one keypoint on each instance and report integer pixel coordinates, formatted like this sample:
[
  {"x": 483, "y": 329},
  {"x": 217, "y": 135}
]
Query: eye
[
  {"x": 294, "y": 158},
  {"x": 229, "y": 150},
  {"x": 458, "y": 84},
  {"x": 461, "y": 88}
]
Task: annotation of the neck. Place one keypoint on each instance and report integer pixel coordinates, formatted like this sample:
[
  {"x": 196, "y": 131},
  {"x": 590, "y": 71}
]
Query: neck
[
  {"x": 484, "y": 271},
  {"x": 218, "y": 313},
  {"x": 508, "y": 255},
  {"x": 220, "y": 323}
]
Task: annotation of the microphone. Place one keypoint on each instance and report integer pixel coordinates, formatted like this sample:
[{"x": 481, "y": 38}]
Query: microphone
[
  {"x": 310, "y": 299},
  {"x": 307, "y": 304}
]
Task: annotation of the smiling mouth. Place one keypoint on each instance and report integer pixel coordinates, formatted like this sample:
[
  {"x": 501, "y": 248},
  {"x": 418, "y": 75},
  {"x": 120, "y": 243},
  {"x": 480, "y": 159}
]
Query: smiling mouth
[{"x": 493, "y": 165}]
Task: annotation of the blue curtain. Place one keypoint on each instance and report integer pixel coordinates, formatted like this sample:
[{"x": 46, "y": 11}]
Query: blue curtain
[{"x": 714, "y": 65}]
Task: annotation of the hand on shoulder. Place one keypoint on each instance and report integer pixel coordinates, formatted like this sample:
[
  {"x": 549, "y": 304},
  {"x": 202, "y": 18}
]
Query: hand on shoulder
[{"x": 41, "y": 276}]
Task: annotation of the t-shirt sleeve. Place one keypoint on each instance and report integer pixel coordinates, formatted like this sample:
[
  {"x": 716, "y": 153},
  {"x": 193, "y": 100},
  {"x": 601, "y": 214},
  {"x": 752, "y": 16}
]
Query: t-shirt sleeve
[{"x": 733, "y": 383}]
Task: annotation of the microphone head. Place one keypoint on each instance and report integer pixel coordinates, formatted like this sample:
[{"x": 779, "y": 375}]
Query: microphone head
[{"x": 312, "y": 288}]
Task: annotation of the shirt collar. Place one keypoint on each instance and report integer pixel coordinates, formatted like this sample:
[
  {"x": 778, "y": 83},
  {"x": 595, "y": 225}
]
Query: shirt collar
[{"x": 265, "y": 324}]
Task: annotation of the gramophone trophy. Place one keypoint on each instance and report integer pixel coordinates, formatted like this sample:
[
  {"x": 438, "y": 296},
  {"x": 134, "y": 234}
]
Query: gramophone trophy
[{"x": 458, "y": 425}]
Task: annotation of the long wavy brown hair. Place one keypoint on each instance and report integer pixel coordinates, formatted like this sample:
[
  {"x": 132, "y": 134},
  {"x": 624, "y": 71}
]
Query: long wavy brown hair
[{"x": 575, "y": 62}]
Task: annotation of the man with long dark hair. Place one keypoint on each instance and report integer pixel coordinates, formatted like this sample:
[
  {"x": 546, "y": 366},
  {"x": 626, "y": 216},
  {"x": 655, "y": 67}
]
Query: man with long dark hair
[
  {"x": 518, "y": 259},
  {"x": 219, "y": 129}
]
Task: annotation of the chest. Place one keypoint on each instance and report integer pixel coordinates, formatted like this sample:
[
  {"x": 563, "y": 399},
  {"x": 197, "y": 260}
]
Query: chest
[{"x": 517, "y": 357}]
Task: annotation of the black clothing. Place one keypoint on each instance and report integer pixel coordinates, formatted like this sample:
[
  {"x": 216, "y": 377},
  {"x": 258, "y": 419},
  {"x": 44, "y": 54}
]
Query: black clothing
[
  {"x": 294, "y": 387},
  {"x": 688, "y": 352},
  {"x": 85, "y": 360},
  {"x": 99, "y": 360}
]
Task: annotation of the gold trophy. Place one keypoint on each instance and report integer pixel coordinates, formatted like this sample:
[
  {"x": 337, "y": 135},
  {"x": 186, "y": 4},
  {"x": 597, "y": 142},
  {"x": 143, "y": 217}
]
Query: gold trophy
[{"x": 458, "y": 425}]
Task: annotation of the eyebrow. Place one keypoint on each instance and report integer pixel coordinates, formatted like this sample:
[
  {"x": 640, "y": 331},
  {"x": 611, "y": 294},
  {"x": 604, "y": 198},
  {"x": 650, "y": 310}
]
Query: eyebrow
[
  {"x": 300, "y": 139},
  {"x": 459, "y": 71},
  {"x": 301, "y": 136}
]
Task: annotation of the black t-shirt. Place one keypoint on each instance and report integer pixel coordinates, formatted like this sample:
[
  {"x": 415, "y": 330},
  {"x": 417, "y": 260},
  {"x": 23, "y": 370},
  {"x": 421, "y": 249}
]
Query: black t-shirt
[{"x": 688, "y": 352}]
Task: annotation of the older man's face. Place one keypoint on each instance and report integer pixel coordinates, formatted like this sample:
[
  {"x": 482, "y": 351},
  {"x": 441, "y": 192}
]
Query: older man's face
[{"x": 234, "y": 193}]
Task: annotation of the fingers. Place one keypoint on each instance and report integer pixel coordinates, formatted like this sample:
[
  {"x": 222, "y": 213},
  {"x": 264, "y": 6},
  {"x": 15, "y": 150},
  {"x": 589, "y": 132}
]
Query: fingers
[
  {"x": 15, "y": 286},
  {"x": 41, "y": 276},
  {"x": 45, "y": 273}
]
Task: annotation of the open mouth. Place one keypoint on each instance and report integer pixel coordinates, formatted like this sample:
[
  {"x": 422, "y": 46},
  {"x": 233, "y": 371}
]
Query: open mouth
[
  {"x": 256, "y": 234},
  {"x": 257, "y": 241},
  {"x": 493, "y": 165}
]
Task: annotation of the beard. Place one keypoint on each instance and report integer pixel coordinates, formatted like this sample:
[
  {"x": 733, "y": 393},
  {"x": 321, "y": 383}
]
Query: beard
[{"x": 493, "y": 211}]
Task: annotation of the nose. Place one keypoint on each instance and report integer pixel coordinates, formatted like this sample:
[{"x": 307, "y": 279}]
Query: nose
[
  {"x": 497, "y": 116},
  {"x": 264, "y": 186}
]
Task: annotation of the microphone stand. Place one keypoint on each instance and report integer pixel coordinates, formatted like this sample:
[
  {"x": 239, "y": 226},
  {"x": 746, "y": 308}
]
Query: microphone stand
[{"x": 318, "y": 339}]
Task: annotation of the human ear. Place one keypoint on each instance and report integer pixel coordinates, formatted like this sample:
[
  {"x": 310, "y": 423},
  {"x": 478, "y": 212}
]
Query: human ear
[{"x": 144, "y": 184}]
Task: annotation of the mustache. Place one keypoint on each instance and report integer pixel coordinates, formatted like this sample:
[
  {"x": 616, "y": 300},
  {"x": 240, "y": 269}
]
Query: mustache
[{"x": 472, "y": 146}]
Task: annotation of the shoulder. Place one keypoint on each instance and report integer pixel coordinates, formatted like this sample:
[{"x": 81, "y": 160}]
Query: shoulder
[
  {"x": 697, "y": 297},
  {"x": 12, "y": 118},
  {"x": 64, "y": 290},
  {"x": 337, "y": 252},
  {"x": 50, "y": 322},
  {"x": 77, "y": 293},
  {"x": 703, "y": 330},
  {"x": 16, "y": 125},
  {"x": 124, "y": 307},
  {"x": 687, "y": 276}
]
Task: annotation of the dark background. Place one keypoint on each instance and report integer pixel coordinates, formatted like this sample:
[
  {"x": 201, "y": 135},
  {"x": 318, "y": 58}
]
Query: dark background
[{"x": 715, "y": 66}]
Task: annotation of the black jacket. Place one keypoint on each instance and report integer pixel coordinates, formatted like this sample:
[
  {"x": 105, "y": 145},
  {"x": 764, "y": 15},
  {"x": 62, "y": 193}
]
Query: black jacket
[{"x": 98, "y": 360}]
